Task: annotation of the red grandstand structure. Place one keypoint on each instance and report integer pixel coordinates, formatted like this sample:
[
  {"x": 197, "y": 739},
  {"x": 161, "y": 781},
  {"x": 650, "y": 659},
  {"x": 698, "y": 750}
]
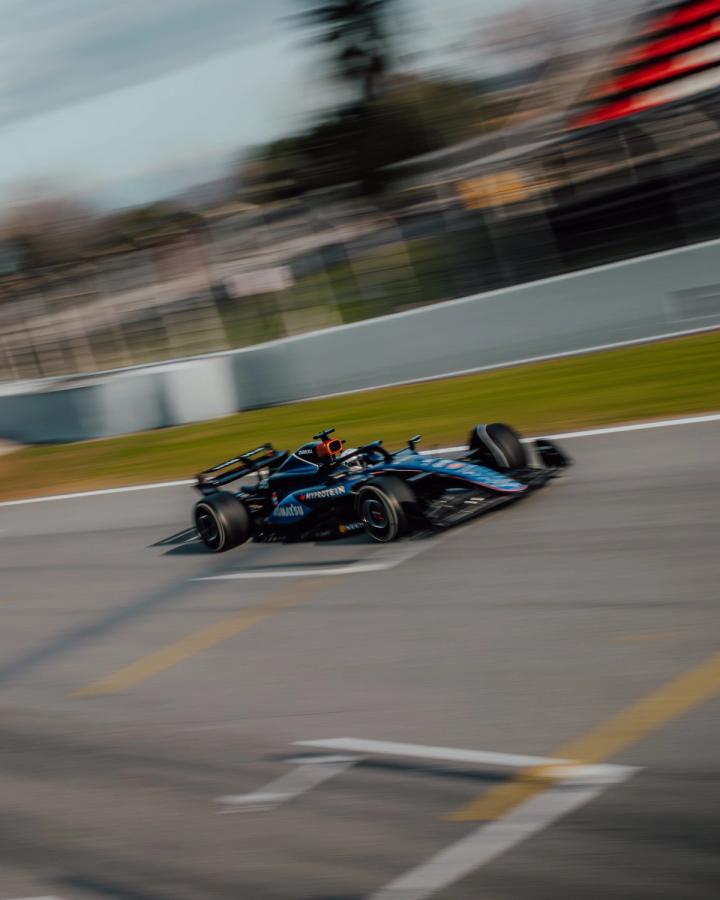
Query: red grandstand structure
[{"x": 672, "y": 54}]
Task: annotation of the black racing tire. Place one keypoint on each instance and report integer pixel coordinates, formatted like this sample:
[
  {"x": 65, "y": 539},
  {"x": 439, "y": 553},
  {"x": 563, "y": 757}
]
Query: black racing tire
[
  {"x": 387, "y": 508},
  {"x": 498, "y": 446},
  {"x": 222, "y": 521}
]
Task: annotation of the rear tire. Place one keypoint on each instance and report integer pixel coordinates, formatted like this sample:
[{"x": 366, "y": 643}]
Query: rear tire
[
  {"x": 386, "y": 506},
  {"x": 222, "y": 521},
  {"x": 498, "y": 447}
]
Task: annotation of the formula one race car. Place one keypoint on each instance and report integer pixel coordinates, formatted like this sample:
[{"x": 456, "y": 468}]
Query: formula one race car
[{"x": 323, "y": 490}]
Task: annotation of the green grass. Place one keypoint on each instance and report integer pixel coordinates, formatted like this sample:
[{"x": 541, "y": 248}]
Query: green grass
[{"x": 677, "y": 377}]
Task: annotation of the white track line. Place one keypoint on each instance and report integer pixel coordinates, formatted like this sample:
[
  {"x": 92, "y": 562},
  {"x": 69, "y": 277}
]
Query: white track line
[
  {"x": 358, "y": 568},
  {"x": 101, "y": 493},
  {"x": 298, "y": 572},
  {"x": 613, "y": 429},
  {"x": 421, "y": 751},
  {"x": 640, "y": 426},
  {"x": 594, "y": 432},
  {"x": 303, "y": 778},
  {"x": 490, "y": 841}
]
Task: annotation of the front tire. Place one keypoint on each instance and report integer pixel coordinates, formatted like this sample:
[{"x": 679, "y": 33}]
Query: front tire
[
  {"x": 222, "y": 521},
  {"x": 386, "y": 506},
  {"x": 498, "y": 447}
]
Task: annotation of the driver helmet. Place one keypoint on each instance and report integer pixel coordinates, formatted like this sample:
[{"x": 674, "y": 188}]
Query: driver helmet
[
  {"x": 329, "y": 450},
  {"x": 321, "y": 452}
]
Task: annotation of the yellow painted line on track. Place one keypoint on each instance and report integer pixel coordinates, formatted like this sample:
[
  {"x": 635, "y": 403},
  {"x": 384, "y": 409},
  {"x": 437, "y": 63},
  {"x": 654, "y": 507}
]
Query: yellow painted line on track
[
  {"x": 203, "y": 639},
  {"x": 647, "y": 638},
  {"x": 626, "y": 728}
]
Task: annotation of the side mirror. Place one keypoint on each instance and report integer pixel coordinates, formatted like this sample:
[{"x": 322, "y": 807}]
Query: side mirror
[{"x": 414, "y": 441}]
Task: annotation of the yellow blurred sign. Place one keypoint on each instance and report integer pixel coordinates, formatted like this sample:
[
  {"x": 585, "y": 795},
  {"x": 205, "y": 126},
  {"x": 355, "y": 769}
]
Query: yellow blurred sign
[{"x": 493, "y": 190}]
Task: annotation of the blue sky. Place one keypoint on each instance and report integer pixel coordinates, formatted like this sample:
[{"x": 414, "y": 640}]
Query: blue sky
[{"x": 132, "y": 99}]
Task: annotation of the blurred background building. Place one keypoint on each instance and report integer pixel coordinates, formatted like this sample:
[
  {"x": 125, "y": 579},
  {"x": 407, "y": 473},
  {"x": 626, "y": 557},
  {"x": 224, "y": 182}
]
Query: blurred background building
[{"x": 553, "y": 137}]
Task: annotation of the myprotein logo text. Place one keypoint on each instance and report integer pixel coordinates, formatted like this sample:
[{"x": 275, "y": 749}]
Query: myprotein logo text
[{"x": 323, "y": 494}]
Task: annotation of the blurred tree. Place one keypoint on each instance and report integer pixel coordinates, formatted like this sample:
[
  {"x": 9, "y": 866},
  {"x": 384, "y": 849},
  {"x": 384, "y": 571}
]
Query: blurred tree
[
  {"x": 271, "y": 172},
  {"x": 357, "y": 31},
  {"x": 357, "y": 142},
  {"x": 49, "y": 230},
  {"x": 153, "y": 223},
  {"x": 393, "y": 117}
]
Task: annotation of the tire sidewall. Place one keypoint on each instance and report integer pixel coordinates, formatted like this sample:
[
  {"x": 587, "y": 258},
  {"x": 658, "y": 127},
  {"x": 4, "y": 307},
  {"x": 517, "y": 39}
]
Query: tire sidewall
[
  {"x": 508, "y": 440},
  {"x": 498, "y": 446},
  {"x": 230, "y": 517},
  {"x": 396, "y": 500},
  {"x": 206, "y": 509},
  {"x": 390, "y": 529}
]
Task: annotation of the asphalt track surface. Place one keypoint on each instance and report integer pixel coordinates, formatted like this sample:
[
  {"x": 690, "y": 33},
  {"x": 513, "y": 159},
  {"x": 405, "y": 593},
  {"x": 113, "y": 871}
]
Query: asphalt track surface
[{"x": 149, "y": 720}]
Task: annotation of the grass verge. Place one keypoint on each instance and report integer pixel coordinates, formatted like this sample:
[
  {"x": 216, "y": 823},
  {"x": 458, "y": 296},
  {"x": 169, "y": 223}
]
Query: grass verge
[{"x": 678, "y": 377}]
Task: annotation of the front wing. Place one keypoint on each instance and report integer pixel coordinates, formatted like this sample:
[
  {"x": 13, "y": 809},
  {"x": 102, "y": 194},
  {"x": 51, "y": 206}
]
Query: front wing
[{"x": 460, "y": 505}]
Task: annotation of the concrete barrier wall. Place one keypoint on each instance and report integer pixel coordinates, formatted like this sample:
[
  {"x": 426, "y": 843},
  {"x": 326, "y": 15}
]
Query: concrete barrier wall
[
  {"x": 665, "y": 293},
  {"x": 121, "y": 403}
]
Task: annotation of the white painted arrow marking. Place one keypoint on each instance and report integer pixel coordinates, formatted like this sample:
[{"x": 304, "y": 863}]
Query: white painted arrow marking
[
  {"x": 421, "y": 751},
  {"x": 307, "y": 775},
  {"x": 490, "y": 841}
]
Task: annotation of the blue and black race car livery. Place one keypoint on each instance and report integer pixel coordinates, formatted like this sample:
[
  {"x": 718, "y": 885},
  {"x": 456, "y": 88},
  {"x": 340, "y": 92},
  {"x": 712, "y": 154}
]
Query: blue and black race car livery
[{"x": 324, "y": 490}]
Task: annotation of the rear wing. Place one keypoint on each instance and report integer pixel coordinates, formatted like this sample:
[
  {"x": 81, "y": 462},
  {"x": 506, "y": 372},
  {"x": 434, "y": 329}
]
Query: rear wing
[{"x": 237, "y": 467}]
